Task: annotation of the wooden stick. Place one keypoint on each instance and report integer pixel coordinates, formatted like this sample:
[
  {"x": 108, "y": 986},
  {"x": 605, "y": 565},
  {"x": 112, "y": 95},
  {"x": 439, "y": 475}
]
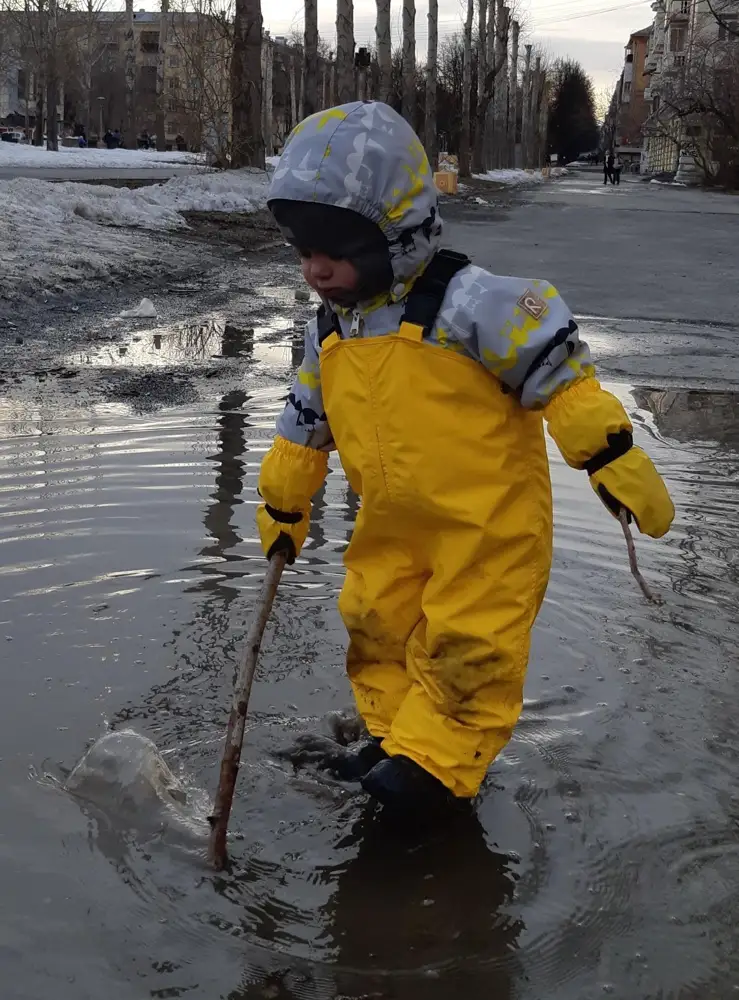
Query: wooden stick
[
  {"x": 623, "y": 518},
  {"x": 217, "y": 852}
]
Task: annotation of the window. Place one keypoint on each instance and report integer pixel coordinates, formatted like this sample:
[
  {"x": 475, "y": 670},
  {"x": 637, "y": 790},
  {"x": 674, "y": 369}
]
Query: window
[
  {"x": 149, "y": 41},
  {"x": 172, "y": 104},
  {"x": 21, "y": 84},
  {"x": 174, "y": 84},
  {"x": 728, "y": 31},
  {"x": 677, "y": 40},
  {"x": 174, "y": 62},
  {"x": 148, "y": 79},
  {"x": 692, "y": 131},
  {"x": 683, "y": 6},
  {"x": 679, "y": 60},
  {"x": 655, "y": 105}
]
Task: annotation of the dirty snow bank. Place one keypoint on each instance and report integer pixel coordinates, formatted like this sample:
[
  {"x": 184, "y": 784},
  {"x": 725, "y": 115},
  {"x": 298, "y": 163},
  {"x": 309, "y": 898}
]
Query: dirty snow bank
[
  {"x": 22, "y": 155},
  {"x": 57, "y": 233},
  {"x": 516, "y": 178}
]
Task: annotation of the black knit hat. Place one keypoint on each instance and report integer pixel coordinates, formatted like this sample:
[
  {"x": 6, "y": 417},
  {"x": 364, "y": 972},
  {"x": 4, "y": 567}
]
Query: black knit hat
[{"x": 341, "y": 234}]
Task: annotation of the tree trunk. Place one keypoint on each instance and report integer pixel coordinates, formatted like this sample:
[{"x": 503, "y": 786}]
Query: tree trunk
[
  {"x": 267, "y": 99},
  {"x": 526, "y": 108},
  {"x": 513, "y": 96},
  {"x": 310, "y": 58},
  {"x": 464, "y": 140},
  {"x": 535, "y": 109},
  {"x": 38, "y": 136},
  {"x": 482, "y": 62},
  {"x": 161, "y": 126},
  {"x": 384, "y": 52},
  {"x": 247, "y": 147},
  {"x": 129, "y": 47},
  {"x": 543, "y": 147},
  {"x": 431, "y": 70},
  {"x": 488, "y": 127},
  {"x": 293, "y": 86},
  {"x": 408, "y": 76},
  {"x": 52, "y": 80},
  {"x": 501, "y": 84},
  {"x": 346, "y": 90}
]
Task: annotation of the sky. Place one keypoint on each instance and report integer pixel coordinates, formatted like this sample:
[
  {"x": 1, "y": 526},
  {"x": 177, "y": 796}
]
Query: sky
[{"x": 592, "y": 31}]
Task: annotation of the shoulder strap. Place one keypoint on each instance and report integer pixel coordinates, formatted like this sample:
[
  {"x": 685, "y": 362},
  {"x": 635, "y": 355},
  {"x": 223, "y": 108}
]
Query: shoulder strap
[
  {"x": 328, "y": 323},
  {"x": 426, "y": 296}
]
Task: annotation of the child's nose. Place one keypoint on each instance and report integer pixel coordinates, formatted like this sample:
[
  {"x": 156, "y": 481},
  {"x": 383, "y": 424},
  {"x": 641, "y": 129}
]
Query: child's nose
[{"x": 321, "y": 267}]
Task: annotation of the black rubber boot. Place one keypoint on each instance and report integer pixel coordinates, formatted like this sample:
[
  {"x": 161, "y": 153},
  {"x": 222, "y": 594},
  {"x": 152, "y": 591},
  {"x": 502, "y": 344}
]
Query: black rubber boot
[
  {"x": 348, "y": 763},
  {"x": 409, "y": 792}
]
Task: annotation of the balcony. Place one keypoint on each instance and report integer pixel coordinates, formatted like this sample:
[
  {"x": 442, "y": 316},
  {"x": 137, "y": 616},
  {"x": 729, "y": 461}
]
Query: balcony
[
  {"x": 680, "y": 10},
  {"x": 647, "y": 93},
  {"x": 650, "y": 63}
]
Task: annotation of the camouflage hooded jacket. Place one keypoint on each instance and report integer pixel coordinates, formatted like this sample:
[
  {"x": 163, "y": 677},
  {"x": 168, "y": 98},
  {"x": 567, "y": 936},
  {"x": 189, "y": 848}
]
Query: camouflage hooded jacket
[{"x": 365, "y": 157}]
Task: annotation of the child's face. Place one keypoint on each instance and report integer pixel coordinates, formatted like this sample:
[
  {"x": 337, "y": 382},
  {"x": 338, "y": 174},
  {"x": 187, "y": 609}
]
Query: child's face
[{"x": 332, "y": 279}]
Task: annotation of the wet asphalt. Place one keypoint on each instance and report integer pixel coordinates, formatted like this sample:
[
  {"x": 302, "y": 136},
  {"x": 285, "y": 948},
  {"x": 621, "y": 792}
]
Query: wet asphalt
[{"x": 603, "y": 857}]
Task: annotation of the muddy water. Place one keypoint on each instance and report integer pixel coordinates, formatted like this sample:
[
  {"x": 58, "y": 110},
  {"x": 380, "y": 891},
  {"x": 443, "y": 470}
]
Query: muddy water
[{"x": 604, "y": 859}]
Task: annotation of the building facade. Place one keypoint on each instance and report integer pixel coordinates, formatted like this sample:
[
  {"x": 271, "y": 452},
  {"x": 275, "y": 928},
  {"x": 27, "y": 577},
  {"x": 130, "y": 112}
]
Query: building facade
[{"x": 693, "y": 82}]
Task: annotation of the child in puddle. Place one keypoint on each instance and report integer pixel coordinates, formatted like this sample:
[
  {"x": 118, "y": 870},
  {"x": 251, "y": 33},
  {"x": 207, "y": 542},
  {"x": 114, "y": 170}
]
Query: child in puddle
[{"x": 433, "y": 379}]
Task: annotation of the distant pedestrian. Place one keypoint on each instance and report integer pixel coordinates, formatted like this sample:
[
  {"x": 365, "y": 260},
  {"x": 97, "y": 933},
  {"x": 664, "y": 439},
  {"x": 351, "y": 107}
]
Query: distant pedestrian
[
  {"x": 616, "y": 170},
  {"x": 81, "y": 141},
  {"x": 607, "y": 168}
]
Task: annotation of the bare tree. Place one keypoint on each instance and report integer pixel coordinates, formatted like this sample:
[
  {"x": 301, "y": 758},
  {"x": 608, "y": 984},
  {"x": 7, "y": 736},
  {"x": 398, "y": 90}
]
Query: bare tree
[
  {"x": 161, "y": 126},
  {"x": 513, "y": 96},
  {"x": 310, "y": 58},
  {"x": 384, "y": 51},
  {"x": 408, "y": 93},
  {"x": 345, "y": 82},
  {"x": 482, "y": 64},
  {"x": 247, "y": 146},
  {"x": 431, "y": 137},
  {"x": 52, "y": 78},
  {"x": 526, "y": 94},
  {"x": 129, "y": 50},
  {"x": 464, "y": 145},
  {"x": 698, "y": 109},
  {"x": 203, "y": 40},
  {"x": 499, "y": 109}
]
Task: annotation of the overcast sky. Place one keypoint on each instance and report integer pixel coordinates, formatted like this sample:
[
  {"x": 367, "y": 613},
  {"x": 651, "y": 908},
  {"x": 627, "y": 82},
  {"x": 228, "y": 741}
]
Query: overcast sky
[{"x": 591, "y": 31}]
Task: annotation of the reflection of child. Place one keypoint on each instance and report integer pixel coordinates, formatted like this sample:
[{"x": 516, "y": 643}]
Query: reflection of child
[{"x": 433, "y": 379}]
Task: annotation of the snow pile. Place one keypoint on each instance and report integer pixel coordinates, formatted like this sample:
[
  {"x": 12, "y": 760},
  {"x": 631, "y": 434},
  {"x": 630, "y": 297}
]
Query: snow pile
[
  {"x": 22, "y": 155},
  {"x": 517, "y": 178},
  {"x": 52, "y": 233},
  {"x": 511, "y": 178},
  {"x": 156, "y": 207},
  {"x": 144, "y": 310}
]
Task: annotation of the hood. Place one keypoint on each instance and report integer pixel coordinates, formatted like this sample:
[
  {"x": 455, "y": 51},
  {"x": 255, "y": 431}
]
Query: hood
[{"x": 365, "y": 157}]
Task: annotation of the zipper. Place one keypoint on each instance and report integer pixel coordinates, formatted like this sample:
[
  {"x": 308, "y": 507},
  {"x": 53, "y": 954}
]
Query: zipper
[{"x": 355, "y": 330}]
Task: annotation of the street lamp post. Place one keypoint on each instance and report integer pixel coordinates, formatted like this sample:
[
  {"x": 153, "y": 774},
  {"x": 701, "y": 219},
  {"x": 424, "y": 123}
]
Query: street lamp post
[{"x": 101, "y": 101}]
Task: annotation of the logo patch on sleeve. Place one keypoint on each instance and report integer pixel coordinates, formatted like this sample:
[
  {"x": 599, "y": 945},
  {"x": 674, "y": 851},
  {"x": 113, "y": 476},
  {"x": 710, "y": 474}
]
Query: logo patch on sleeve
[{"x": 532, "y": 304}]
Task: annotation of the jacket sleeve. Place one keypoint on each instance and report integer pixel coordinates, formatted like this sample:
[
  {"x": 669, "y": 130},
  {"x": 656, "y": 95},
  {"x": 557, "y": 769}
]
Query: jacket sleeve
[
  {"x": 303, "y": 421},
  {"x": 523, "y": 332},
  {"x": 296, "y": 464}
]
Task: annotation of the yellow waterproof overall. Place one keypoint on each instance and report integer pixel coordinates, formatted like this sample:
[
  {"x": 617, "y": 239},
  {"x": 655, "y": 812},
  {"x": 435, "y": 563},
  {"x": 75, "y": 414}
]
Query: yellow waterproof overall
[{"x": 451, "y": 551}]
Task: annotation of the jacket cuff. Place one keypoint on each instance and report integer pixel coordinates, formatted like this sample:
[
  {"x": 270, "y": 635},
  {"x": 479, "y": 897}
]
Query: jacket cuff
[
  {"x": 290, "y": 475},
  {"x": 581, "y": 418}
]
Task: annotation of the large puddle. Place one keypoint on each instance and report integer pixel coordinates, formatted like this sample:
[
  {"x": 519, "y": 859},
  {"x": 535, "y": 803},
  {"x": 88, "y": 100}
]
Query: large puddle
[{"x": 606, "y": 856}]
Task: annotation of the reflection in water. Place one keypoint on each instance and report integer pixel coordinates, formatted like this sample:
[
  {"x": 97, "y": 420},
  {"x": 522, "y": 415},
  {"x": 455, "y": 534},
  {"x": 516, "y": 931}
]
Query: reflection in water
[
  {"x": 618, "y": 790},
  {"x": 693, "y": 415},
  {"x": 428, "y": 911},
  {"x": 229, "y": 469}
]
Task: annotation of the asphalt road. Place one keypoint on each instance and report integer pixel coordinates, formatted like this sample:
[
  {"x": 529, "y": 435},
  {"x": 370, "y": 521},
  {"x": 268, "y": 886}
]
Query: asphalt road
[{"x": 650, "y": 271}]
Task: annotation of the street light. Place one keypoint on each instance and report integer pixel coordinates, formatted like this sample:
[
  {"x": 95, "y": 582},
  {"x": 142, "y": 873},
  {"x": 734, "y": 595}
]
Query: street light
[{"x": 101, "y": 101}]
